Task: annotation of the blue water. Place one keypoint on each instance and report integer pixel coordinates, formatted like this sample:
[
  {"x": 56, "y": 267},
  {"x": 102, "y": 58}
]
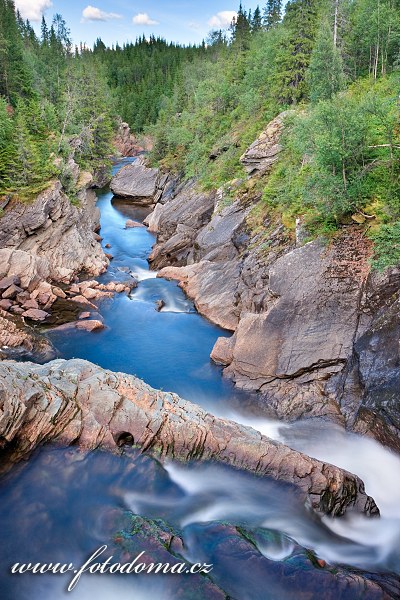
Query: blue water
[{"x": 170, "y": 349}]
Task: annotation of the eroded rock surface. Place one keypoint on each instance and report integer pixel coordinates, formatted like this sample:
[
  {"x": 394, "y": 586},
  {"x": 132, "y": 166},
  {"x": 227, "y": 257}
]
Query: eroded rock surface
[
  {"x": 136, "y": 182},
  {"x": 77, "y": 402}
]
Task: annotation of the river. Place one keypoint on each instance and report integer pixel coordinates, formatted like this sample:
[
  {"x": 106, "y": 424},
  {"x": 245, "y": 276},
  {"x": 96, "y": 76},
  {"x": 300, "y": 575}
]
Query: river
[{"x": 61, "y": 504}]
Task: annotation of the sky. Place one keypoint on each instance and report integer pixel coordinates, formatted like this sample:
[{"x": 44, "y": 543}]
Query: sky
[{"x": 120, "y": 21}]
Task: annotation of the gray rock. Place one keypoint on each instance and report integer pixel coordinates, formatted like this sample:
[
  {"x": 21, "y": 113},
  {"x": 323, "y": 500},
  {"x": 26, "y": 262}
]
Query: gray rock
[{"x": 136, "y": 182}]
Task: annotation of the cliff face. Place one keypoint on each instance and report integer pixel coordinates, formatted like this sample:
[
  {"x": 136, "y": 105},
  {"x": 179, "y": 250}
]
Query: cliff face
[
  {"x": 75, "y": 402},
  {"x": 315, "y": 333},
  {"x": 44, "y": 243},
  {"x": 50, "y": 238}
]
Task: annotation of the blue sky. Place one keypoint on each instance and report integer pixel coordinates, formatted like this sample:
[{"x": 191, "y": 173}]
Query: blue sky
[{"x": 123, "y": 20}]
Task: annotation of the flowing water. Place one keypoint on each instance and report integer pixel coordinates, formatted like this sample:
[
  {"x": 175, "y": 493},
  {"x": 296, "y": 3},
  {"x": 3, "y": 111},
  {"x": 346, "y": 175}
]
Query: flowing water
[{"x": 62, "y": 505}]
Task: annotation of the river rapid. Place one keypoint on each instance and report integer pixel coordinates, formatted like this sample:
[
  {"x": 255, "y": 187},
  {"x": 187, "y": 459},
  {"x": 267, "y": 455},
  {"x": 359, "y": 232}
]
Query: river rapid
[{"x": 57, "y": 506}]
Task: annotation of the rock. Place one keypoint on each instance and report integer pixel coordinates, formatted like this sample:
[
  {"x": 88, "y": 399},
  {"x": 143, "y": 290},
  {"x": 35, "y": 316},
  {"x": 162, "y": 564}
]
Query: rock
[
  {"x": 59, "y": 292},
  {"x": 23, "y": 297},
  {"x": 5, "y": 304},
  {"x": 50, "y": 238},
  {"x": 30, "y": 304},
  {"x": 89, "y": 294},
  {"x": 35, "y": 315},
  {"x": 119, "y": 288},
  {"x": 215, "y": 240},
  {"x": 43, "y": 298},
  {"x": 17, "y": 310},
  {"x": 125, "y": 142},
  {"x": 212, "y": 287},
  {"x": 160, "y": 305},
  {"x": 84, "y": 315},
  {"x": 80, "y": 403},
  {"x": 264, "y": 152},
  {"x": 17, "y": 337},
  {"x": 136, "y": 182},
  {"x": 89, "y": 325},
  {"x": 222, "y": 353},
  {"x": 83, "y": 301},
  {"x": 109, "y": 256},
  {"x": 11, "y": 292},
  {"x": 7, "y": 282},
  {"x": 179, "y": 222},
  {"x": 108, "y": 246},
  {"x": 131, "y": 224}
]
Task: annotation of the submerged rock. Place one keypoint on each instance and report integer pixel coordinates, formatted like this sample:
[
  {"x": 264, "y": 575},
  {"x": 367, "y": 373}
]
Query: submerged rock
[{"x": 78, "y": 402}]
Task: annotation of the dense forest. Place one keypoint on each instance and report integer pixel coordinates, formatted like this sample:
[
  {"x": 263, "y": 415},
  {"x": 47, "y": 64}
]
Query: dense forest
[{"x": 334, "y": 65}]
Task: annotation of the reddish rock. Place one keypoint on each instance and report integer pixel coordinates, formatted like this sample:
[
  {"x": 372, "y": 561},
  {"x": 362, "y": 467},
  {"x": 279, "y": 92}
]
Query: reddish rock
[
  {"x": 30, "y": 304},
  {"x": 89, "y": 325},
  {"x": 23, "y": 297},
  {"x": 59, "y": 292},
  {"x": 11, "y": 292},
  {"x": 84, "y": 315},
  {"x": 43, "y": 298},
  {"x": 5, "y": 304},
  {"x": 107, "y": 246},
  {"x": 130, "y": 224},
  {"x": 35, "y": 315},
  {"x": 89, "y": 284},
  {"x": 17, "y": 310},
  {"x": 89, "y": 294},
  {"x": 82, "y": 300},
  {"x": 109, "y": 256},
  {"x": 119, "y": 288},
  {"x": 6, "y": 282}
]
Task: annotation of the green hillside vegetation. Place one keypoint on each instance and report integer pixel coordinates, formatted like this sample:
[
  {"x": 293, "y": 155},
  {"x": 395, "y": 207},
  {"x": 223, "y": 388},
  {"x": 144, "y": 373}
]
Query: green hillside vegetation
[{"x": 335, "y": 64}]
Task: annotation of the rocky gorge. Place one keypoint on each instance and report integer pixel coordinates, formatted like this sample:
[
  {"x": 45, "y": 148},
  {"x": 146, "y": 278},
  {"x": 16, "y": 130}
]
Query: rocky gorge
[
  {"x": 315, "y": 330},
  {"x": 314, "y": 336}
]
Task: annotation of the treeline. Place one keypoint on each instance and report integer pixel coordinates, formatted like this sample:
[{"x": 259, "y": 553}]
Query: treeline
[
  {"x": 141, "y": 73},
  {"x": 335, "y": 65},
  {"x": 54, "y": 103}
]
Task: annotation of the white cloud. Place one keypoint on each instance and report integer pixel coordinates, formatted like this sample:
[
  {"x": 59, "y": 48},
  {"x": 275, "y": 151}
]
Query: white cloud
[
  {"x": 32, "y": 9},
  {"x": 92, "y": 13},
  {"x": 222, "y": 19},
  {"x": 143, "y": 19}
]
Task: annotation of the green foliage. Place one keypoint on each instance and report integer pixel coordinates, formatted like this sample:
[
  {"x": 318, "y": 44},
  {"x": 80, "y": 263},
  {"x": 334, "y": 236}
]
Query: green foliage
[
  {"x": 387, "y": 246},
  {"x": 325, "y": 74}
]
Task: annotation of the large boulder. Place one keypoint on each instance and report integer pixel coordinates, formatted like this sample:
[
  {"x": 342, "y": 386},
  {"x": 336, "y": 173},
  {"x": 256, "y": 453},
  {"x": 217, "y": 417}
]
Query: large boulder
[
  {"x": 136, "y": 182},
  {"x": 75, "y": 402}
]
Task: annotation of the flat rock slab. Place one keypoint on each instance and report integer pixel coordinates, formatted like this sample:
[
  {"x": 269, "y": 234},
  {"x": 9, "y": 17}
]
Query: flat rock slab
[
  {"x": 80, "y": 403},
  {"x": 136, "y": 182},
  {"x": 35, "y": 315}
]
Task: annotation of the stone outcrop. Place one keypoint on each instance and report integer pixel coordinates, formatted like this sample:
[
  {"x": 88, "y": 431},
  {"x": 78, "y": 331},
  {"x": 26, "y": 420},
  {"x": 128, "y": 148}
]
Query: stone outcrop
[
  {"x": 264, "y": 152},
  {"x": 50, "y": 238},
  {"x": 136, "y": 182},
  {"x": 315, "y": 334},
  {"x": 125, "y": 142},
  {"x": 77, "y": 402}
]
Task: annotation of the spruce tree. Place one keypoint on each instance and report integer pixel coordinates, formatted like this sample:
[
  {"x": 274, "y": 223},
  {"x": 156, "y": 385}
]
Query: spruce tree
[{"x": 272, "y": 13}]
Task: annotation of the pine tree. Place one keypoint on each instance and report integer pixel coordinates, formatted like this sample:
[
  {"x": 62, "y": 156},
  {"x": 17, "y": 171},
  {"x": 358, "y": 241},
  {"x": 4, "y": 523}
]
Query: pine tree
[
  {"x": 241, "y": 29},
  {"x": 293, "y": 58},
  {"x": 272, "y": 13},
  {"x": 256, "y": 23}
]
